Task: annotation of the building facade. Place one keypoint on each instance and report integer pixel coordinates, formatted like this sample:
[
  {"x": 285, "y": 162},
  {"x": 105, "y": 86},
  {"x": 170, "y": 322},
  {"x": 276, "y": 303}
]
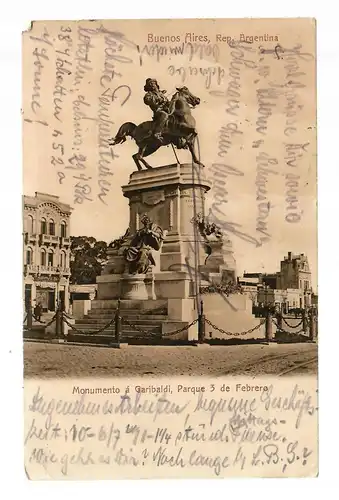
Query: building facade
[
  {"x": 289, "y": 288},
  {"x": 249, "y": 285},
  {"x": 295, "y": 273},
  {"x": 284, "y": 300},
  {"x": 47, "y": 251}
]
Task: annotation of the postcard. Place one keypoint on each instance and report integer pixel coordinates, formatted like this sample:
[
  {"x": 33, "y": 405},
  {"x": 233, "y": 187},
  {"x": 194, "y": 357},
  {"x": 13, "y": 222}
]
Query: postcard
[{"x": 170, "y": 325}]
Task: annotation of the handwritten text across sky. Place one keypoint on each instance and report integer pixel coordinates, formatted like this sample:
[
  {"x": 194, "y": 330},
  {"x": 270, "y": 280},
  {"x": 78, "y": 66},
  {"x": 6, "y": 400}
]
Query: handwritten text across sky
[{"x": 256, "y": 122}]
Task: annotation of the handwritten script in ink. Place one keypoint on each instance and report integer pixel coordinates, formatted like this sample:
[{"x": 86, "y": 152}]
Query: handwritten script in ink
[
  {"x": 76, "y": 84},
  {"x": 265, "y": 95},
  {"x": 211, "y": 429}
]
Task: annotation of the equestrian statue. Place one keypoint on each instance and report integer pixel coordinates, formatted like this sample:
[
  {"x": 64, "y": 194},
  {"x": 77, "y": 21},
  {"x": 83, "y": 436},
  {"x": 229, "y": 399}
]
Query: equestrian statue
[{"x": 173, "y": 124}]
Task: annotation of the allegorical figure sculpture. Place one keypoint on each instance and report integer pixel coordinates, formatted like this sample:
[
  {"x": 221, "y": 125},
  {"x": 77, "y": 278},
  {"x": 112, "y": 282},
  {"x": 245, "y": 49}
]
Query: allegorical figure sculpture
[
  {"x": 118, "y": 242},
  {"x": 209, "y": 232},
  {"x": 207, "y": 228},
  {"x": 172, "y": 123},
  {"x": 138, "y": 255}
]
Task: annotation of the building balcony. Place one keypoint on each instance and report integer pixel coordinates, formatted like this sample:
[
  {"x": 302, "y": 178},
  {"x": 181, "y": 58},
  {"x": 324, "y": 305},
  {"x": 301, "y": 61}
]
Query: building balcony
[
  {"x": 30, "y": 238},
  {"x": 49, "y": 239},
  {"x": 47, "y": 270},
  {"x": 65, "y": 241},
  {"x": 52, "y": 270},
  {"x": 31, "y": 269}
]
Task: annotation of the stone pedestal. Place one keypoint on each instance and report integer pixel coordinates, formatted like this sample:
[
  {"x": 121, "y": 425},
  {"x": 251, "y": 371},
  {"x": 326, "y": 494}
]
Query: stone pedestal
[
  {"x": 81, "y": 308},
  {"x": 115, "y": 263},
  {"x": 171, "y": 196},
  {"x": 133, "y": 287},
  {"x": 109, "y": 286}
]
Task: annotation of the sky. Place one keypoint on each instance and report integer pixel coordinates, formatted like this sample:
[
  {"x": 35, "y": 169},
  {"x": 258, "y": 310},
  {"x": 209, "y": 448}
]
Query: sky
[{"x": 242, "y": 123}]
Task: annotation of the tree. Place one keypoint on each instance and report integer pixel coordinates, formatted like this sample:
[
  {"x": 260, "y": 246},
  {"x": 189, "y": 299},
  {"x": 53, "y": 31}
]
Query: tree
[{"x": 87, "y": 258}]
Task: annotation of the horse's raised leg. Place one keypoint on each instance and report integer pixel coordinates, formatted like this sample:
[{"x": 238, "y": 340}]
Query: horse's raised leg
[
  {"x": 147, "y": 150},
  {"x": 136, "y": 161},
  {"x": 147, "y": 165},
  {"x": 192, "y": 151},
  {"x": 139, "y": 157}
]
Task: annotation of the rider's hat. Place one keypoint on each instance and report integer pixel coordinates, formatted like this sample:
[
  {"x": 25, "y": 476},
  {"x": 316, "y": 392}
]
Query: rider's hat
[{"x": 147, "y": 86}]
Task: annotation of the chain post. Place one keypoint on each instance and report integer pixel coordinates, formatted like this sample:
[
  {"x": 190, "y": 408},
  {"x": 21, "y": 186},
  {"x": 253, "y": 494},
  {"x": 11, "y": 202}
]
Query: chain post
[
  {"x": 29, "y": 316},
  {"x": 117, "y": 324},
  {"x": 201, "y": 324},
  {"x": 304, "y": 319},
  {"x": 312, "y": 326},
  {"x": 58, "y": 323},
  {"x": 268, "y": 326},
  {"x": 279, "y": 316}
]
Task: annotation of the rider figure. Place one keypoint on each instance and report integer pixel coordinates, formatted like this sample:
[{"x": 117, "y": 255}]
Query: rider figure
[{"x": 159, "y": 104}]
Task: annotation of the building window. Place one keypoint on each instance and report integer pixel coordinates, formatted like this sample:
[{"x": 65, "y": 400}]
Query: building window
[
  {"x": 51, "y": 228},
  {"x": 62, "y": 260},
  {"x": 29, "y": 256},
  {"x": 43, "y": 257},
  {"x": 63, "y": 229},
  {"x": 50, "y": 257},
  {"x": 30, "y": 224},
  {"x": 43, "y": 226}
]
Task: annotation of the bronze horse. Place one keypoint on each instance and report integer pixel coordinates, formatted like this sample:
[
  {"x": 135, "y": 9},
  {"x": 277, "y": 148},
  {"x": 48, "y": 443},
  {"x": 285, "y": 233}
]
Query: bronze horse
[{"x": 179, "y": 131}]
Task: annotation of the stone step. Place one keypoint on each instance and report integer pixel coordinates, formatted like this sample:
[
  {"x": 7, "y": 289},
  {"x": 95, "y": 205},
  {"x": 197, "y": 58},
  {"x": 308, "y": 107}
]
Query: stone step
[
  {"x": 110, "y": 330},
  {"x": 132, "y": 304},
  {"x": 105, "y": 321},
  {"x": 131, "y": 319},
  {"x": 103, "y": 313},
  {"x": 126, "y": 312}
]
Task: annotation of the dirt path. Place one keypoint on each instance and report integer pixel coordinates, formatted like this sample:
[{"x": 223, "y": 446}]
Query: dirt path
[{"x": 57, "y": 360}]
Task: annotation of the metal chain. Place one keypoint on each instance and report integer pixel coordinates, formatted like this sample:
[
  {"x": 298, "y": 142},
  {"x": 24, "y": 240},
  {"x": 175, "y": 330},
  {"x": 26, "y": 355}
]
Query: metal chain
[
  {"x": 87, "y": 332},
  {"x": 67, "y": 316},
  {"x": 285, "y": 331},
  {"x": 168, "y": 334},
  {"x": 179, "y": 330},
  {"x": 38, "y": 319},
  {"x": 137, "y": 329},
  {"x": 235, "y": 334},
  {"x": 295, "y": 326},
  {"x": 50, "y": 322}
]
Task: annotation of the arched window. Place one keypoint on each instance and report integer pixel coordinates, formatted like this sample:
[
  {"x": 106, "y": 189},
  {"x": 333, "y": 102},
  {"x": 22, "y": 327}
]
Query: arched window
[
  {"x": 43, "y": 226},
  {"x": 30, "y": 224},
  {"x": 29, "y": 256},
  {"x": 50, "y": 257},
  {"x": 63, "y": 229},
  {"x": 62, "y": 259},
  {"x": 51, "y": 227},
  {"x": 43, "y": 257}
]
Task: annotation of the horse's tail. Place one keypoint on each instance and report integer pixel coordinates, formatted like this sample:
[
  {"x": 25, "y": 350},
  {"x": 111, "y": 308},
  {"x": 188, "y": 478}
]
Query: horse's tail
[
  {"x": 126, "y": 130},
  {"x": 208, "y": 250}
]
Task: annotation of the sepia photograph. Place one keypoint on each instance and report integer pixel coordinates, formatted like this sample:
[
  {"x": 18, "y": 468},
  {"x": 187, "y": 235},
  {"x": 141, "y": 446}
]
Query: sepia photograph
[
  {"x": 124, "y": 247},
  {"x": 170, "y": 230}
]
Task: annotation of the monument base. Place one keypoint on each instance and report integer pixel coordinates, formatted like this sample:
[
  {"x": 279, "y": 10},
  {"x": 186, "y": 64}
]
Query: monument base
[
  {"x": 232, "y": 314},
  {"x": 166, "y": 320},
  {"x": 172, "y": 285},
  {"x": 133, "y": 287},
  {"x": 181, "y": 313},
  {"x": 109, "y": 286}
]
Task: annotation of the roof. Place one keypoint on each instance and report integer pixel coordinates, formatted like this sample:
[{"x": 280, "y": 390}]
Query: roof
[{"x": 39, "y": 198}]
